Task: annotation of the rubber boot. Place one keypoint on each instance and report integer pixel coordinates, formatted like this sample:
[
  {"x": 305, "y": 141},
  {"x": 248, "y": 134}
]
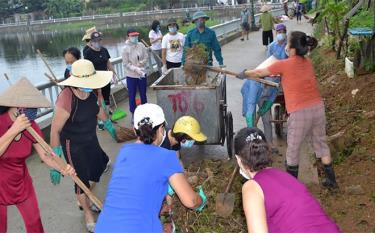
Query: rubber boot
[
  {"x": 292, "y": 170},
  {"x": 330, "y": 181},
  {"x": 249, "y": 120}
]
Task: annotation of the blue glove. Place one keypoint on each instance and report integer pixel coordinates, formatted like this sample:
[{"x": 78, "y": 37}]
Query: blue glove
[
  {"x": 171, "y": 191},
  {"x": 242, "y": 75},
  {"x": 204, "y": 199},
  {"x": 53, "y": 173},
  {"x": 109, "y": 127}
]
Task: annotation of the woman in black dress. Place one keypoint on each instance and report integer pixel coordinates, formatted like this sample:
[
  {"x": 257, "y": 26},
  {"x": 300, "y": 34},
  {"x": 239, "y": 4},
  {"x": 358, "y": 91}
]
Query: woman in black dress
[{"x": 73, "y": 129}]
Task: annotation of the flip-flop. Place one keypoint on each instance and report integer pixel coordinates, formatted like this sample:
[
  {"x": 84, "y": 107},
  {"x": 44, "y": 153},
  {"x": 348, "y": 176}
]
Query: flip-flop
[{"x": 90, "y": 227}]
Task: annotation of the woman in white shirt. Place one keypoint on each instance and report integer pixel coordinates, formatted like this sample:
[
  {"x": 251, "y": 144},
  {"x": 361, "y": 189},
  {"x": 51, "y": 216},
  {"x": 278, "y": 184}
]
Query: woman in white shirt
[
  {"x": 172, "y": 46},
  {"x": 156, "y": 37}
]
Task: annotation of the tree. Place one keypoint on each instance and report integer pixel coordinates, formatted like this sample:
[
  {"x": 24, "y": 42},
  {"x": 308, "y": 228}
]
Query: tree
[
  {"x": 63, "y": 8},
  {"x": 33, "y": 5}
]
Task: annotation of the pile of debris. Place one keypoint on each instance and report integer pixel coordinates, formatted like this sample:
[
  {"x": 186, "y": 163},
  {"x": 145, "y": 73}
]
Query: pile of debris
[{"x": 195, "y": 57}]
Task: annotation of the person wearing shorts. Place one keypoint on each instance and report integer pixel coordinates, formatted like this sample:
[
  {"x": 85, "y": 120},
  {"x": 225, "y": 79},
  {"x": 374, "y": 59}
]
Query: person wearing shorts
[{"x": 245, "y": 19}]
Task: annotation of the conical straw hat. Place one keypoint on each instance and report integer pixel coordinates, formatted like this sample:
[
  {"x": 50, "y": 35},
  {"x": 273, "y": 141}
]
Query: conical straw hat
[{"x": 23, "y": 94}]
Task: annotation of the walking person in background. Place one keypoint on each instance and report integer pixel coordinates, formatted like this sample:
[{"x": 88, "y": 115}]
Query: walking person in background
[
  {"x": 140, "y": 179},
  {"x": 172, "y": 46},
  {"x": 245, "y": 19},
  {"x": 18, "y": 109},
  {"x": 99, "y": 56},
  {"x": 285, "y": 6},
  {"x": 300, "y": 9},
  {"x": 71, "y": 55},
  {"x": 73, "y": 129},
  {"x": 156, "y": 38},
  {"x": 266, "y": 23},
  {"x": 134, "y": 58},
  {"x": 303, "y": 103},
  {"x": 273, "y": 200}
]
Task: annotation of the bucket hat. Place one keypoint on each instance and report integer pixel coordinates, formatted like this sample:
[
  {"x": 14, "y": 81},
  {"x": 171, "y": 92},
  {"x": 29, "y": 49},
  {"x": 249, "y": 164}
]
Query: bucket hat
[
  {"x": 148, "y": 113},
  {"x": 265, "y": 8},
  {"x": 23, "y": 95},
  {"x": 199, "y": 14},
  {"x": 190, "y": 126},
  {"x": 88, "y": 33},
  {"x": 84, "y": 75},
  {"x": 171, "y": 21}
]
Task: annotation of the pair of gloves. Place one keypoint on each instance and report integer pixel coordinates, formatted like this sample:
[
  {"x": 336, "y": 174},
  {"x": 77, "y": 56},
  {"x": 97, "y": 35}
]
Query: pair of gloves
[
  {"x": 201, "y": 193},
  {"x": 140, "y": 71}
]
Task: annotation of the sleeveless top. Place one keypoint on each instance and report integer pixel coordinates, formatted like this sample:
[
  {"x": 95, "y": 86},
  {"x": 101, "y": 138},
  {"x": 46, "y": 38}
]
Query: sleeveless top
[
  {"x": 289, "y": 205},
  {"x": 81, "y": 125}
]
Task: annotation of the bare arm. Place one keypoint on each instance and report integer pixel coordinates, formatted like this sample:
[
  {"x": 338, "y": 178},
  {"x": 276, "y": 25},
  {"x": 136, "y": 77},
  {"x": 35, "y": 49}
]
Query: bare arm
[
  {"x": 164, "y": 56},
  {"x": 253, "y": 205},
  {"x": 184, "y": 191},
  {"x": 20, "y": 124},
  {"x": 258, "y": 73},
  {"x": 102, "y": 115},
  {"x": 60, "y": 116}
]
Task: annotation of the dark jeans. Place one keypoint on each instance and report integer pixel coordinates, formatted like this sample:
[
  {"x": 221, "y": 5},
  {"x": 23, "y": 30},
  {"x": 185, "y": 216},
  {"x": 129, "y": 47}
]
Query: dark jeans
[
  {"x": 133, "y": 85},
  {"x": 267, "y": 37},
  {"x": 106, "y": 92},
  {"x": 173, "y": 65}
]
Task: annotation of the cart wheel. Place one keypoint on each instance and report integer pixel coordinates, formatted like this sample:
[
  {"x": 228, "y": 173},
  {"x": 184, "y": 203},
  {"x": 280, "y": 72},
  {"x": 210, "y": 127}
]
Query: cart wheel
[
  {"x": 279, "y": 116},
  {"x": 229, "y": 134}
]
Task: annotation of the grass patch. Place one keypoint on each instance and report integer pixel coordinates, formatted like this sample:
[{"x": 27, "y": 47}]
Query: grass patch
[
  {"x": 363, "y": 19},
  {"x": 70, "y": 26}
]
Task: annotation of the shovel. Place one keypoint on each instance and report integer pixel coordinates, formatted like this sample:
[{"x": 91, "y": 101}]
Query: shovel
[
  {"x": 218, "y": 70},
  {"x": 225, "y": 201}
]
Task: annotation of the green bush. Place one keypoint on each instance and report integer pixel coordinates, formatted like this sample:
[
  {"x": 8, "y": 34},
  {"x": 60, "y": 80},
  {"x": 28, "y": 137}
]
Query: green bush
[{"x": 362, "y": 19}]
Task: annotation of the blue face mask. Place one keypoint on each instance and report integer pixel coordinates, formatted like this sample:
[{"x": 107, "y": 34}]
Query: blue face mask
[
  {"x": 133, "y": 39},
  {"x": 30, "y": 113},
  {"x": 187, "y": 144},
  {"x": 158, "y": 28},
  {"x": 281, "y": 37},
  {"x": 87, "y": 90},
  {"x": 69, "y": 67},
  {"x": 172, "y": 29}
]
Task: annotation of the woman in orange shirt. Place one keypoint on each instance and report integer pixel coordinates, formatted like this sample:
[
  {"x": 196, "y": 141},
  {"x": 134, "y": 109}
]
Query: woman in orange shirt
[{"x": 303, "y": 103}]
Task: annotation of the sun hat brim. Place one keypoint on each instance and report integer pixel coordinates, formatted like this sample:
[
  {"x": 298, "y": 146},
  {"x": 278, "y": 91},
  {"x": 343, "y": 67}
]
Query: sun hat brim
[
  {"x": 23, "y": 94},
  {"x": 96, "y": 81}
]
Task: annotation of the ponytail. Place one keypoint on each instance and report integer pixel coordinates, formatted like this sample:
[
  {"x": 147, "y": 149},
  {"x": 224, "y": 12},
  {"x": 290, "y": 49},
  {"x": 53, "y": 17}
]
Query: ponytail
[{"x": 302, "y": 43}]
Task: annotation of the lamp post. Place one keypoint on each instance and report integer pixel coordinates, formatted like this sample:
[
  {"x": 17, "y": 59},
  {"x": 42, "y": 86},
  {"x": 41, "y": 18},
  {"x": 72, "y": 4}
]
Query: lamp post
[{"x": 252, "y": 15}]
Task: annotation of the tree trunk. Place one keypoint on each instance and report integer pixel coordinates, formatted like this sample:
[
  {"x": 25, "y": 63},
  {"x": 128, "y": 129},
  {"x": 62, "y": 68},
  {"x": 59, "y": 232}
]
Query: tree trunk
[{"x": 343, "y": 37}]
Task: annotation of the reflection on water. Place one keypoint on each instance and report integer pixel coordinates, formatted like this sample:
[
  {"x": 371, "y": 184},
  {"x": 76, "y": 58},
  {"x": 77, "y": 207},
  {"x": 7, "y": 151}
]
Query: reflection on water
[{"x": 18, "y": 56}]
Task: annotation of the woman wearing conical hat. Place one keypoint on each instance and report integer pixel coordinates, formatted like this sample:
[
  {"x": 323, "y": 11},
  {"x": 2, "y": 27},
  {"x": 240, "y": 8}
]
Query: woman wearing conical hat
[
  {"x": 18, "y": 108},
  {"x": 73, "y": 129}
]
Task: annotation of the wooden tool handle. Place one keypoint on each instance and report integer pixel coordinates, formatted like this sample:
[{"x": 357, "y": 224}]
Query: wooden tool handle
[
  {"x": 48, "y": 67},
  {"x": 232, "y": 178},
  {"x": 267, "y": 82},
  {"x": 62, "y": 165},
  {"x": 145, "y": 43}
]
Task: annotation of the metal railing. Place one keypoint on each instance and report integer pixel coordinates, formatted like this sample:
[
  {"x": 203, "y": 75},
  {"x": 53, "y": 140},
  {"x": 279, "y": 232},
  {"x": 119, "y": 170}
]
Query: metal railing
[
  {"x": 51, "y": 91},
  {"x": 116, "y": 15}
]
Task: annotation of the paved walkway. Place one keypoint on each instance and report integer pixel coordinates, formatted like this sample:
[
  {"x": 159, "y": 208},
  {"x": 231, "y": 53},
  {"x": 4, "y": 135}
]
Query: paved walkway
[{"x": 58, "y": 206}]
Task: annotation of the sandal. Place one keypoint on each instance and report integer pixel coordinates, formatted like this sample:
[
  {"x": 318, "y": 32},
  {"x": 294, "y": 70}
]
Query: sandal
[
  {"x": 92, "y": 207},
  {"x": 90, "y": 227}
]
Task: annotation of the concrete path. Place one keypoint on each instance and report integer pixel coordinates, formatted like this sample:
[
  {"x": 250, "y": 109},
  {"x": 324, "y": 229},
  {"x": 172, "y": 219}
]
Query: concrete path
[{"x": 58, "y": 207}]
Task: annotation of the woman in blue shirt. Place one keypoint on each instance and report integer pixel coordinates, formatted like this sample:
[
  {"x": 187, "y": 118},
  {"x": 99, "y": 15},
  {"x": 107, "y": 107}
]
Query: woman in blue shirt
[{"x": 140, "y": 179}]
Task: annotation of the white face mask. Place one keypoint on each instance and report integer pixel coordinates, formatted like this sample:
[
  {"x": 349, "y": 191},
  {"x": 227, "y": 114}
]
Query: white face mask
[
  {"x": 244, "y": 174},
  {"x": 164, "y": 136}
]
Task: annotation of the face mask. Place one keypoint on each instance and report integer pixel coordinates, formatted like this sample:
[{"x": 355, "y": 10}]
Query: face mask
[
  {"x": 133, "y": 39},
  {"x": 172, "y": 29},
  {"x": 164, "y": 135},
  {"x": 69, "y": 67},
  {"x": 199, "y": 24},
  {"x": 30, "y": 113},
  {"x": 87, "y": 90},
  {"x": 281, "y": 37},
  {"x": 244, "y": 174},
  {"x": 157, "y": 28},
  {"x": 95, "y": 45},
  {"x": 187, "y": 144},
  {"x": 287, "y": 51}
]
